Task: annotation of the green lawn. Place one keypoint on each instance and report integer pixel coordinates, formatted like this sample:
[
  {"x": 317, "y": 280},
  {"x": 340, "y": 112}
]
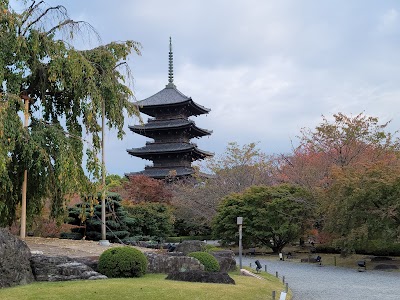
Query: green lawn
[{"x": 151, "y": 286}]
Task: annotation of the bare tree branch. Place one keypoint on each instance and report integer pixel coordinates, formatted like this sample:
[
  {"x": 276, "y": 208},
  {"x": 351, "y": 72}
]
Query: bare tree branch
[
  {"x": 56, "y": 8},
  {"x": 30, "y": 10}
]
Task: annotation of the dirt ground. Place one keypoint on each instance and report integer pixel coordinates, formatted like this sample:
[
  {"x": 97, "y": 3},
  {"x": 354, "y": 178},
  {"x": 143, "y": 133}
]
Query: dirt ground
[{"x": 71, "y": 248}]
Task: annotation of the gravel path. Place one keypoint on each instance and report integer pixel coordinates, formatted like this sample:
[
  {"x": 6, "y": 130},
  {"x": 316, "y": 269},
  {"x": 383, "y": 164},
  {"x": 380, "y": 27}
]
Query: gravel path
[{"x": 312, "y": 282}]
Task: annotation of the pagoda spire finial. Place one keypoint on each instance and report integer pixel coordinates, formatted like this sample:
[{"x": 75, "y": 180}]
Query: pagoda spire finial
[{"x": 171, "y": 67}]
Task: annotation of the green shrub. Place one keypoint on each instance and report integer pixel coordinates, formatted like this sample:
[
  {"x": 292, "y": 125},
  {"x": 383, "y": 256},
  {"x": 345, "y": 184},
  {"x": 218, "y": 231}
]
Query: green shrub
[
  {"x": 210, "y": 262},
  {"x": 323, "y": 248},
  {"x": 122, "y": 262},
  {"x": 379, "y": 248},
  {"x": 373, "y": 247}
]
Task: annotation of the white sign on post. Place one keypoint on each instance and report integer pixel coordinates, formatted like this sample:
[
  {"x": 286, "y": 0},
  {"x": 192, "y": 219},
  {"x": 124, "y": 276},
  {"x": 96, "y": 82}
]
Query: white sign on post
[{"x": 283, "y": 296}]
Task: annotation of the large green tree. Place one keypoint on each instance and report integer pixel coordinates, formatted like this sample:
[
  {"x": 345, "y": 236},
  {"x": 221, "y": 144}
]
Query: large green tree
[
  {"x": 66, "y": 88},
  {"x": 363, "y": 205},
  {"x": 273, "y": 216}
]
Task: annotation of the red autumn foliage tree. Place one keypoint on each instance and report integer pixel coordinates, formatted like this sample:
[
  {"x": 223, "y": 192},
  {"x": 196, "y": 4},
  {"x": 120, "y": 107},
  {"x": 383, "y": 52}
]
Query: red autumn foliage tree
[
  {"x": 345, "y": 141},
  {"x": 141, "y": 189},
  {"x": 337, "y": 161}
]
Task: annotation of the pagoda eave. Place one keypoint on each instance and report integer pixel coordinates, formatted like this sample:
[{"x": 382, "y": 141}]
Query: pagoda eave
[
  {"x": 192, "y": 107},
  {"x": 161, "y": 173},
  {"x": 192, "y": 130}
]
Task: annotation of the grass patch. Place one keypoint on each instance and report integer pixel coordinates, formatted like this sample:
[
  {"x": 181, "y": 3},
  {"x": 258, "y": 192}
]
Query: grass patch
[{"x": 149, "y": 287}]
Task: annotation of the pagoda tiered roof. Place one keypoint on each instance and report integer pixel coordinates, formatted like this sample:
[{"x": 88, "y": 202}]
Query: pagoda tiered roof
[
  {"x": 155, "y": 126},
  {"x": 170, "y": 96},
  {"x": 169, "y": 148},
  {"x": 161, "y": 173}
]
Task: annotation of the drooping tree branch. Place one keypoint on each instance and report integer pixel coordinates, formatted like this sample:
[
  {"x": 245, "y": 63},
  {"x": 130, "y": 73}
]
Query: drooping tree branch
[{"x": 69, "y": 22}]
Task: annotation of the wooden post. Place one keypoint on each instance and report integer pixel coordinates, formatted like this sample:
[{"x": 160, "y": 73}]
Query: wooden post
[
  {"x": 273, "y": 295},
  {"x": 25, "y": 182},
  {"x": 103, "y": 176},
  {"x": 265, "y": 268},
  {"x": 286, "y": 287},
  {"x": 283, "y": 279},
  {"x": 276, "y": 274}
]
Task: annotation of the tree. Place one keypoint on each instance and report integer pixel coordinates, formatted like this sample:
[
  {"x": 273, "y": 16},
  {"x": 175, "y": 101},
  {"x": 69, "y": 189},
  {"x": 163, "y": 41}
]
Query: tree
[
  {"x": 66, "y": 88},
  {"x": 143, "y": 189},
  {"x": 150, "y": 219},
  {"x": 333, "y": 161},
  {"x": 348, "y": 140},
  {"x": 273, "y": 216},
  {"x": 238, "y": 168},
  {"x": 87, "y": 215},
  {"x": 341, "y": 142},
  {"x": 363, "y": 205}
]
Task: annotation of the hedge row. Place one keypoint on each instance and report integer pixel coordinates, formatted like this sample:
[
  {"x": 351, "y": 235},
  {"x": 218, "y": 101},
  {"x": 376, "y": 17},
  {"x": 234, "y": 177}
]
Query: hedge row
[
  {"x": 178, "y": 239},
  {"x": 372, "y": 248}
]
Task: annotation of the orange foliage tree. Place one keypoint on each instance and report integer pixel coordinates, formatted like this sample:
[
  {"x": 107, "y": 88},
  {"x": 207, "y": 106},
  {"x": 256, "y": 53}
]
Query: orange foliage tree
[{"x": 338, "y": 154}]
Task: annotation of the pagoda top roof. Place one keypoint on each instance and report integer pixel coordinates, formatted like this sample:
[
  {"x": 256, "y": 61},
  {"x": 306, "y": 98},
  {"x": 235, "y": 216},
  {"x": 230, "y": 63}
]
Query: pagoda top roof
[
  {"x": 170, "y": 95},
  {"x": 168, "y": 124}
]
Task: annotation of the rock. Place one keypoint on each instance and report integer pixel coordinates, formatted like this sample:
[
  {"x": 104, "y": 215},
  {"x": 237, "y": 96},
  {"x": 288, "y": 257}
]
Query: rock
[
  {"x": 15, "y": 268},
  {"x": 190, "y": 246},
  {"x": 61, "y": 268},
  {"x": 226, "y": 260},
  {"x": 90, "y": 261},
  {"x": 201, "y": 276},
  {"x": 166, "y": 263}
]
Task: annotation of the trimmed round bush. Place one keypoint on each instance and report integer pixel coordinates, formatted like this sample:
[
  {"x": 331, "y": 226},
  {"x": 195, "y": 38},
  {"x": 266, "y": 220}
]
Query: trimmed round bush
[
  {"x": 210, "y": 262},
  {"x": 122, "y": 262}
]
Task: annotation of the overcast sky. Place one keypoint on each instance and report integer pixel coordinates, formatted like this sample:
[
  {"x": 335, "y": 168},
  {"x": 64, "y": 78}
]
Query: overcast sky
[{"x": 265, "y": 68}]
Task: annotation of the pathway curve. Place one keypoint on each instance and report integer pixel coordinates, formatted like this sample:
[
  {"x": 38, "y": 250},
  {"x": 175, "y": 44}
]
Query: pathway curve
[{"x": 312, "y": 282}]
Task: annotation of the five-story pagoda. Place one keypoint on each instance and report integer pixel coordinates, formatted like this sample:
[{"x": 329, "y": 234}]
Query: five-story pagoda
[{"x": 171, "y": 129}]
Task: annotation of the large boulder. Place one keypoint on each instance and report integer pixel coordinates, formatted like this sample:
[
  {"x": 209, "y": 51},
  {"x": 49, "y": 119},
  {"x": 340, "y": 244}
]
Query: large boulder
[
  {"x": 187, "y": 247},
  {"x": 166, "y": 263},
  {"x": 90, "y": 261},
  {"x": 15, "y": 268},
  {"x": 226, "y": 260},
  {"x": 61, "y": 268},
  {"x": 201, "y": 276}
]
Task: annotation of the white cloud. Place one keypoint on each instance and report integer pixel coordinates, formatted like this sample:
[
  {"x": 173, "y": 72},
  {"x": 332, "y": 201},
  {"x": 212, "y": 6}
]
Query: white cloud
[{"x": 389, "y": 21}]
